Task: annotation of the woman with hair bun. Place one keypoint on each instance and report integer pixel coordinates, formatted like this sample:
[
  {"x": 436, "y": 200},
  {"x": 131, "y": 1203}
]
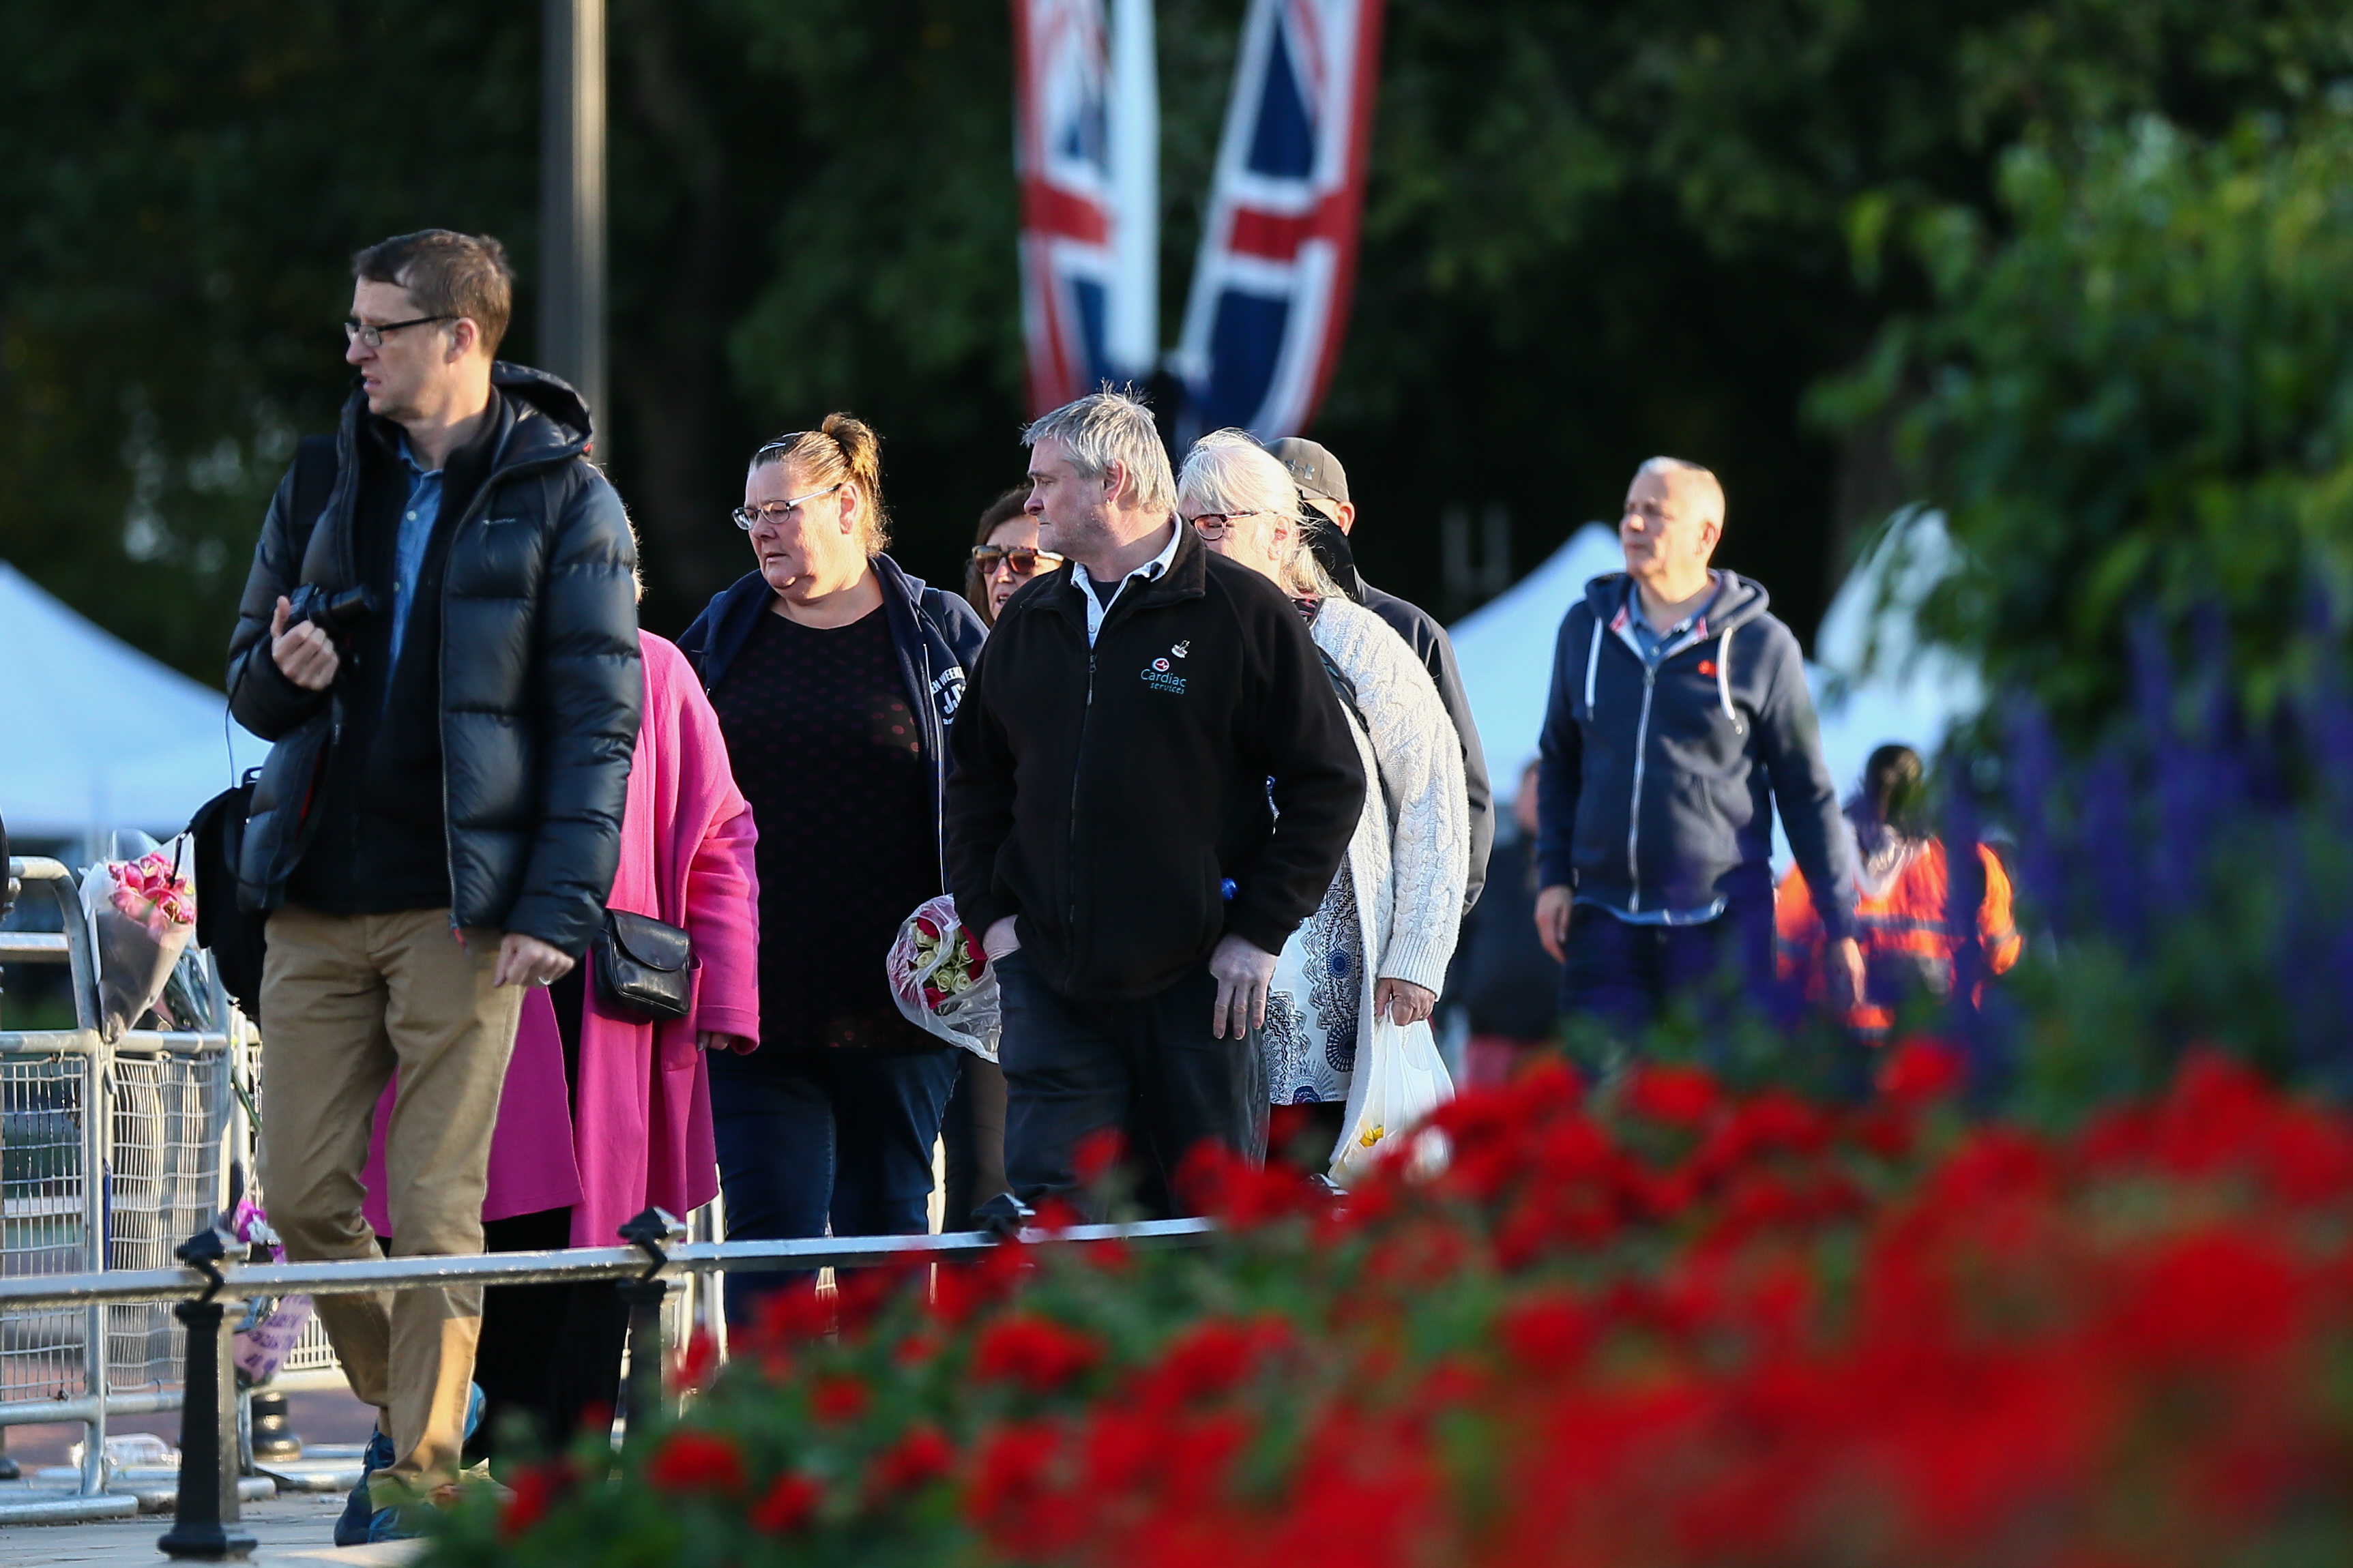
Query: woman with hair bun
[{"x": 834, "y": 675}]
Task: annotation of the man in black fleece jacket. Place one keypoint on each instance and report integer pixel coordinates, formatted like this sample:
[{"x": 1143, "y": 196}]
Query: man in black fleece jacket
[{"x": 1154, "y": 784}]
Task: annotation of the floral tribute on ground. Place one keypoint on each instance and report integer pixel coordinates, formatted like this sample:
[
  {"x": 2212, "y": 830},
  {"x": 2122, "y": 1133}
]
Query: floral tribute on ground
[{"x": 1665, "y": 1325}]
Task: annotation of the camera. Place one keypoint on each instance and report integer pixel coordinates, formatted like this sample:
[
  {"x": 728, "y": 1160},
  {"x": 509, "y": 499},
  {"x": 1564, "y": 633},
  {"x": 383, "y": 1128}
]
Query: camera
[{"x": 337, "y": 612}]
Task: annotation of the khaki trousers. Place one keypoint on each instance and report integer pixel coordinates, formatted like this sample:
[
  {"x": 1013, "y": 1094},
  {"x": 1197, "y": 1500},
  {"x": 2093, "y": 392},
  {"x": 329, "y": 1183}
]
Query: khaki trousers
[{"x": 345, "y": 1000}]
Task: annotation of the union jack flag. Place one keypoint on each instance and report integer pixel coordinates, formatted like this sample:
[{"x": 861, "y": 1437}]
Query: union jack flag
[
  {"x": 1082, "y": 286},
  {"x": 1270, "y": 292}
]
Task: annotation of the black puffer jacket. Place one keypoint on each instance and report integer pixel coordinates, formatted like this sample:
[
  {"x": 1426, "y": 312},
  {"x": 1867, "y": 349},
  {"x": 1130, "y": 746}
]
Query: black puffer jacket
[{"x": 540, "y": 685}]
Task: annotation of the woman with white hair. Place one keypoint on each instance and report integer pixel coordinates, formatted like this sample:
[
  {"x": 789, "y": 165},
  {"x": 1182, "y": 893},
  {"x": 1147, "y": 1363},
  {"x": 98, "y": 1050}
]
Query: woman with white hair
[{"x": 1381, "y": 942}]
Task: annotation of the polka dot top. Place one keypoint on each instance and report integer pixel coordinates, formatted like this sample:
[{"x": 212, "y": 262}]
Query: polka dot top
[{"x": 828, "y": 753}]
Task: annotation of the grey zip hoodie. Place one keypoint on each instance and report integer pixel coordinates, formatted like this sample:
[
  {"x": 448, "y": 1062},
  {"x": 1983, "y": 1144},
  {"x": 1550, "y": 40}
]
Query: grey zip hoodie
[{"x": 1657, "y": 776}]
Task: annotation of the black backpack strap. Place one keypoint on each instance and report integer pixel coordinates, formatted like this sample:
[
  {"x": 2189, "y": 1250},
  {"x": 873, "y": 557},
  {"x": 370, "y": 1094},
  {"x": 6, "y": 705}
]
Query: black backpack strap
[{"x": 314, "y": 486}]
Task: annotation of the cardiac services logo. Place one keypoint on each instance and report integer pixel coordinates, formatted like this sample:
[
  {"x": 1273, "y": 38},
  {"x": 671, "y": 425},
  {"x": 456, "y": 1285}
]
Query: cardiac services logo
[{"x": 1159, "y": 674}]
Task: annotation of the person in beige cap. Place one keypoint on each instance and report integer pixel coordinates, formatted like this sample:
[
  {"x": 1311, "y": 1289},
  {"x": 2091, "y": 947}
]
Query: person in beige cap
[{"x": 1324, "y": 485}]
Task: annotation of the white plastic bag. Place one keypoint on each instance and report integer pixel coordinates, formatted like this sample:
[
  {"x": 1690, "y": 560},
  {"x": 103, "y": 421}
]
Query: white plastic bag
[
  {"x": 1399, "y": 1079},
  {"x": 942, "y": 981},
  {"x": 141, "y": 913}
]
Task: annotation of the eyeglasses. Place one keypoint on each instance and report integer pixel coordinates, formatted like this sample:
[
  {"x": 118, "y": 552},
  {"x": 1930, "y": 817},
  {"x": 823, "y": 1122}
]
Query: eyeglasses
[
  {"x": 1218, "y": 524},
  {"x": 370, "y": 333},
  {"x": 748, "y": 518},
  {"x": 1019, "y": 559}
]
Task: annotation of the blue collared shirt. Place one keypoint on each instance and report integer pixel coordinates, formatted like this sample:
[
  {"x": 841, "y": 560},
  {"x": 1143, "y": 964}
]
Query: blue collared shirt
[{"x": 418, "y": 516}]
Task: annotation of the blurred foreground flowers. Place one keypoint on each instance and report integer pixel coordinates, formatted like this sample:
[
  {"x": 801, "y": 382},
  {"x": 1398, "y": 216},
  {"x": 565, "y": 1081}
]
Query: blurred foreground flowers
[{"x": 1672, "y": 1325}]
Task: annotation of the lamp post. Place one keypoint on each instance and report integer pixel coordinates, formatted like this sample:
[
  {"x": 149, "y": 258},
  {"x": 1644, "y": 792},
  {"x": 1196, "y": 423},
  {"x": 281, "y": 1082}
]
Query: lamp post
[{"x": 572, "y": 203}]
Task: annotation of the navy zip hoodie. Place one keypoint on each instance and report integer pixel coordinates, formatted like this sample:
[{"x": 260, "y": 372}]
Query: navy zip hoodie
[
  {"x": 1656, "y": 781},
  {"x": 936, "y": 633}
]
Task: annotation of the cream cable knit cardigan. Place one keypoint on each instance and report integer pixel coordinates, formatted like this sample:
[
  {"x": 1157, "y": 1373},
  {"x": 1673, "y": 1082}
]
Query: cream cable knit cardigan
[{"x": 1410, "y": 854}]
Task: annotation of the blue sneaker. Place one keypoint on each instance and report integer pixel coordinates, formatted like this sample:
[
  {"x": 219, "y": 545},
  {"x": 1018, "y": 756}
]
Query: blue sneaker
[{"x": 360, "y": 1515}]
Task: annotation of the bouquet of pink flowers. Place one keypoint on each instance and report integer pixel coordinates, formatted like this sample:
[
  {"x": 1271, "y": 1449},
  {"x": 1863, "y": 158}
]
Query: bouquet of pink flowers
[
  {"x": 152, "y": 891},
  {"x": 942, "y": 980},
  {"x": 141, "y": 913}
]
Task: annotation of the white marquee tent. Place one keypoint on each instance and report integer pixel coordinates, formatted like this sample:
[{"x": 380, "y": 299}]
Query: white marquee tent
[
  {"x": 95, "y": 735},
  {"x": 1865, "y": 696}
]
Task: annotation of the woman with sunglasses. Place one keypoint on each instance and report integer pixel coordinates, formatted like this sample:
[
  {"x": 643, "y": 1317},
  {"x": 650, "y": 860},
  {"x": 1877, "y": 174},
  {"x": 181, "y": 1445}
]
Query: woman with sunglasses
[
  {"x": 1380, "y": 943},
  {"x": 1004, "y": 555},
  {"x": 834, "y": 675}
]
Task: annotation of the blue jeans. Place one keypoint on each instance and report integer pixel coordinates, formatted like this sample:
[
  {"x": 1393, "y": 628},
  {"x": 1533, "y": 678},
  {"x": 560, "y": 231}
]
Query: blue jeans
[
  {"x": 1628, "y": 976},
  {"x": 826, "y": 1137}
]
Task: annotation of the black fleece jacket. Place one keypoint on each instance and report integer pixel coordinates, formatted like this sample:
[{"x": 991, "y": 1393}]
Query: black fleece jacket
[{"x": 1116, "y": 800}]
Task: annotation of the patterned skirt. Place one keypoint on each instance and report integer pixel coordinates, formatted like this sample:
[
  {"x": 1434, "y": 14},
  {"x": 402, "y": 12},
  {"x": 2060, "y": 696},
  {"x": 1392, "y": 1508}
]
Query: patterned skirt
[{"x": 1312, "y": 1009}]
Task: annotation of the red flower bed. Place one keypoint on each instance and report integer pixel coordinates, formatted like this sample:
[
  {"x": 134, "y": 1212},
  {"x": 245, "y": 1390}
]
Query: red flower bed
[{"x": 1682, "y": 1327}]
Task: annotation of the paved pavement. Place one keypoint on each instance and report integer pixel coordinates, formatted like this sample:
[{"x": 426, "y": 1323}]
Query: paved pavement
[{"x": 294, "y": 1530}]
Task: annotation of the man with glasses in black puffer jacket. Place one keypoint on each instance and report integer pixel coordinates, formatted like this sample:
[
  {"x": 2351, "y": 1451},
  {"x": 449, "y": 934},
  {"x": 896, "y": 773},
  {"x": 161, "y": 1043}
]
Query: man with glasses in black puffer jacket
[{"x": 446, "y": 659}]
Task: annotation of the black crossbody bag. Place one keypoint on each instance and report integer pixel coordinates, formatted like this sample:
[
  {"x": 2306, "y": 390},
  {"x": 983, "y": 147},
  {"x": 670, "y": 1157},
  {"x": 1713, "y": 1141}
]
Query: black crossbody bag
[{"x": 644, "y": 967}]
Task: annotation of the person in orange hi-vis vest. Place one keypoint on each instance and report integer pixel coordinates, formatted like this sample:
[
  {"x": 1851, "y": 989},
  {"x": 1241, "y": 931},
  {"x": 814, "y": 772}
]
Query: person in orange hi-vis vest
[{"x": 1900, "y": 910}]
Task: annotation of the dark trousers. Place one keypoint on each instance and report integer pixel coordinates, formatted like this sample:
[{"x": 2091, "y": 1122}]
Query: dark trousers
[
  {"x": 1149, "y": 1069},
  {"x": 1628, "y": 976},
  {"x": 972, "y": 1135},
  {"x": 826, "y": 1137},
  {"x": 550, "y": 1356}
]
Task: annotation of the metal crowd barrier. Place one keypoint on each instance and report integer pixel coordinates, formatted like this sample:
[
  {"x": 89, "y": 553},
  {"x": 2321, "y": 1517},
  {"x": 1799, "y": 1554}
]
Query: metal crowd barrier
[
  {"x": 205, "y": 1527},
  {"x": 164, "y": 1120},
  {"x": 110, "y": 1154},
  {"x": 110, "y": 1149}
]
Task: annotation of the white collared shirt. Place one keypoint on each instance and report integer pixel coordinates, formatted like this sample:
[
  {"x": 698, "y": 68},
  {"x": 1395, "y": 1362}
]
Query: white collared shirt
[{"x": 1096, "y": 608}]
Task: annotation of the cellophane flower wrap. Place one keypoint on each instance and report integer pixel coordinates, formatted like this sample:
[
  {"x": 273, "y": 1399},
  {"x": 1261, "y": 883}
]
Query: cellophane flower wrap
[
  {"x": 142, "y": 914},
  {"x": 942, "y": 980},
  {"x": 272, "y": 1325}
]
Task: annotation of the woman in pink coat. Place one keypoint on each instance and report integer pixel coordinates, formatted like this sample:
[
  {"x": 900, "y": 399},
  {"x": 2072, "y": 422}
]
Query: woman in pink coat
[{"x": 603, "y": 1115}]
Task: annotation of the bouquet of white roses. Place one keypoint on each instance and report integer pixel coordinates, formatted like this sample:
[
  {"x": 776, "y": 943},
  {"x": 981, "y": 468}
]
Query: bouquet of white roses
[{"x": 942, "y": 980}]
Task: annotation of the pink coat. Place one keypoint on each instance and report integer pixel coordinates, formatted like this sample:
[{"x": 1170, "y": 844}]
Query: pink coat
[{"x": 644, "y": 1135}]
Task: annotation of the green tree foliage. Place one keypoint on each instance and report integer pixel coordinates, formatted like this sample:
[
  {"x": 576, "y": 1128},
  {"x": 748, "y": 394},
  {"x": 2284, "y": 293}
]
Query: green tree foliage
[
  {"x": 1595, "y": 231},
  {"x": 2140, "y": 403},
  {"x": 181, "y": 186}
]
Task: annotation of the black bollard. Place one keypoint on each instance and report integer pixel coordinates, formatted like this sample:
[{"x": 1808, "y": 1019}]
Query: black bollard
[
  {"x": 207, "y": 1503},
  {"x": 274, "y": 1442},
  {"x": 650, "y": 1232},
  {"x": 201, "y": 1525},
  {"x": 1003, "y": 1216},
  {"x": 642, "y": 1401}
]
